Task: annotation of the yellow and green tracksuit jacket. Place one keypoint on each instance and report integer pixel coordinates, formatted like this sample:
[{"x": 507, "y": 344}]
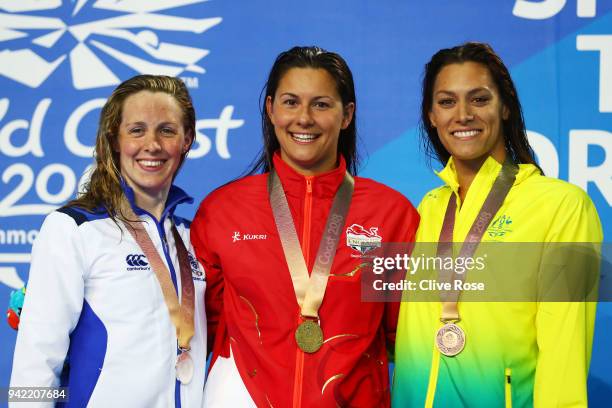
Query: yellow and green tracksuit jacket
[{"x": 519, "y": 354}]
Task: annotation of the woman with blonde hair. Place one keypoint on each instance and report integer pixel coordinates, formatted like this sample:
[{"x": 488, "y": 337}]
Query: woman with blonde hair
[{"x": 114, "y": 305}]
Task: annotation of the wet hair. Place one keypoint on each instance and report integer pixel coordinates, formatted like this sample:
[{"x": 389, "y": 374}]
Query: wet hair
[
  {"x": 103, "y": 190},
  {"x": 316, "y": 58},
  {"x": 515, "y": 136}
]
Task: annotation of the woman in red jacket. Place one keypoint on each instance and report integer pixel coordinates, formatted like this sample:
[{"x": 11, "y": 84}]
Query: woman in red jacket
[{"x": 283, "y": 253}]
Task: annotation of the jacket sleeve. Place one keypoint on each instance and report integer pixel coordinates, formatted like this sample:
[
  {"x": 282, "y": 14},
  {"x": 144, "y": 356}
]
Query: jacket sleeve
[
  {"x": 52, "y": 305},
  {"x": 212, "y": 269},
  {"x": 564, "y": 328},
  {"x": 407, "y": 222}
]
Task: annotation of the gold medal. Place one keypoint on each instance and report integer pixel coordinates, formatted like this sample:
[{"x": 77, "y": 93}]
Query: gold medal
[
  {"x": 309, "y": 336},
  {"x": 450, "y": 339}
]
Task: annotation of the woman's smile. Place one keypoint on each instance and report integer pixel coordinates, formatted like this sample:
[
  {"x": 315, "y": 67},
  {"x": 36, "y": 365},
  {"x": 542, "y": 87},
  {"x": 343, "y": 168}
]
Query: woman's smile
[{"x": 308, "y": 115}]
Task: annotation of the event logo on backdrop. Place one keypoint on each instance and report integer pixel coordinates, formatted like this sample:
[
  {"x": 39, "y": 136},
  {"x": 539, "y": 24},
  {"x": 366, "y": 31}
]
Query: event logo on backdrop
[
  {"x": 28, "y": 67},
  {"x": 59, "y": 61}
]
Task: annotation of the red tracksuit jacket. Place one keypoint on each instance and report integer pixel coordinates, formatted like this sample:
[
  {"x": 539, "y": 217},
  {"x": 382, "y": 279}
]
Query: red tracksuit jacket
[{"x": 251, "y": 302}]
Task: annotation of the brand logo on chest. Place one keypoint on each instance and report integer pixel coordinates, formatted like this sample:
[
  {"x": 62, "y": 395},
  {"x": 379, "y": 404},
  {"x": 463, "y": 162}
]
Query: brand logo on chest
[
  {"x": 137, "y": 262},
  {"x": 241, "y": 236}
]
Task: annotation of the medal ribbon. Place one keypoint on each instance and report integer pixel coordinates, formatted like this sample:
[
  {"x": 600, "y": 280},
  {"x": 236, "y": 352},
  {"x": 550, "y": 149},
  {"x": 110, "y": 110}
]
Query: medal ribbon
[
  {"x": 309, "y": 291},
  {"x": 180, "y": 314},
  {"x": 501, "y": 186}
]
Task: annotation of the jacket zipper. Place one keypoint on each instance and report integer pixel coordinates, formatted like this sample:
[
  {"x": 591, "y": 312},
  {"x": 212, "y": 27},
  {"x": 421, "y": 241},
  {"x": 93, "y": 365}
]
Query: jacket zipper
[
  {"x": 433, "y": 378},
  {"x": 307, "y": 216},
  {"x": 299, "y": 354},
  {"x": 164, "y": 241},
  {"x": 434, "y": 370},
  {"x": 508, "y": 387}
]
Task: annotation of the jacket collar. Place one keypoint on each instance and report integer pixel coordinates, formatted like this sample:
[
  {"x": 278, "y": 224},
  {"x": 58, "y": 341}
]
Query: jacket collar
[
  {"x": 324, "y": 185},
  {"x": 175, "y": 197},
  {"x": 486, "y": 174}
]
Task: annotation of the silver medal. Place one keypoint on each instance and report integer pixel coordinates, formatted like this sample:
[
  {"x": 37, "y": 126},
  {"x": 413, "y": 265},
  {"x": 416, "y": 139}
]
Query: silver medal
[{"x": 184, "y": 368}]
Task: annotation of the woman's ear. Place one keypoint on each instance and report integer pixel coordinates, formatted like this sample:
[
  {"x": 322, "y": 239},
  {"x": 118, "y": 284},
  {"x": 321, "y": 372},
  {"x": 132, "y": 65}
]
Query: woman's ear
[
  {"x": 189, "y": 138},
  {"x": 505, "y": 112},
  {"x": 432, "y": 119},
  {"x": 349, "y": 110},
  {"x": 269, "y": 108}
]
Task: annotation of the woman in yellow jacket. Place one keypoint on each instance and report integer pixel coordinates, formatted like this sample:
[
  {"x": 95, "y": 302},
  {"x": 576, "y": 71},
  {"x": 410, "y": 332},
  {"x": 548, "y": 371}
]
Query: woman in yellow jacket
[{"x": 509, "y": 352}]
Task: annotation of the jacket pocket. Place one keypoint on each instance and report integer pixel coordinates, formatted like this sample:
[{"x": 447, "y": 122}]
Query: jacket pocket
[{"x": 508, "y": 387}]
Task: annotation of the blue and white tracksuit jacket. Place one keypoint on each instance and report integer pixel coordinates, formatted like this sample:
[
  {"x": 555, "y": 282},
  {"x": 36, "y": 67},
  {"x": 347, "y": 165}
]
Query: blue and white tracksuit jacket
[{"x": 94, "y": 317}]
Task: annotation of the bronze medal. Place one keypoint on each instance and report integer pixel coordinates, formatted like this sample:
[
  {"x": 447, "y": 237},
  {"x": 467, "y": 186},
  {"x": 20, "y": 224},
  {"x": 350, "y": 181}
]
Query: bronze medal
[
  {"x": 309, "y": 336},
  {"x": 450, "y": 339}
]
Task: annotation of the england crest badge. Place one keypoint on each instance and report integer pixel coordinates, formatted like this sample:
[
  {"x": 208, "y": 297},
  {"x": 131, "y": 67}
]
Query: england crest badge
[{"x": 361, "y": 239}]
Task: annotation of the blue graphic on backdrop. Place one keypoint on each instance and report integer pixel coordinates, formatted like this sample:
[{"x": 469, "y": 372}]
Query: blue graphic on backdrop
[
  {"x": 59, "y": 60},
  {"x": 93, "y": 37}
]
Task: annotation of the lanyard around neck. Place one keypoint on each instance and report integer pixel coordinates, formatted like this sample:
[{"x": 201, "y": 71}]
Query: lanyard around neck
[
  {"x": 501, "y": 187},
  {"x": 181, "y": 314},
  {"x": 309, "y": 291}
]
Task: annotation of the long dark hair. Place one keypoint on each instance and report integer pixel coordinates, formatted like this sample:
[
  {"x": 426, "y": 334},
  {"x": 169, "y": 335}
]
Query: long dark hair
[
  {"x": 308, "y": 57},
  {"x": 515, "y": 136}
]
